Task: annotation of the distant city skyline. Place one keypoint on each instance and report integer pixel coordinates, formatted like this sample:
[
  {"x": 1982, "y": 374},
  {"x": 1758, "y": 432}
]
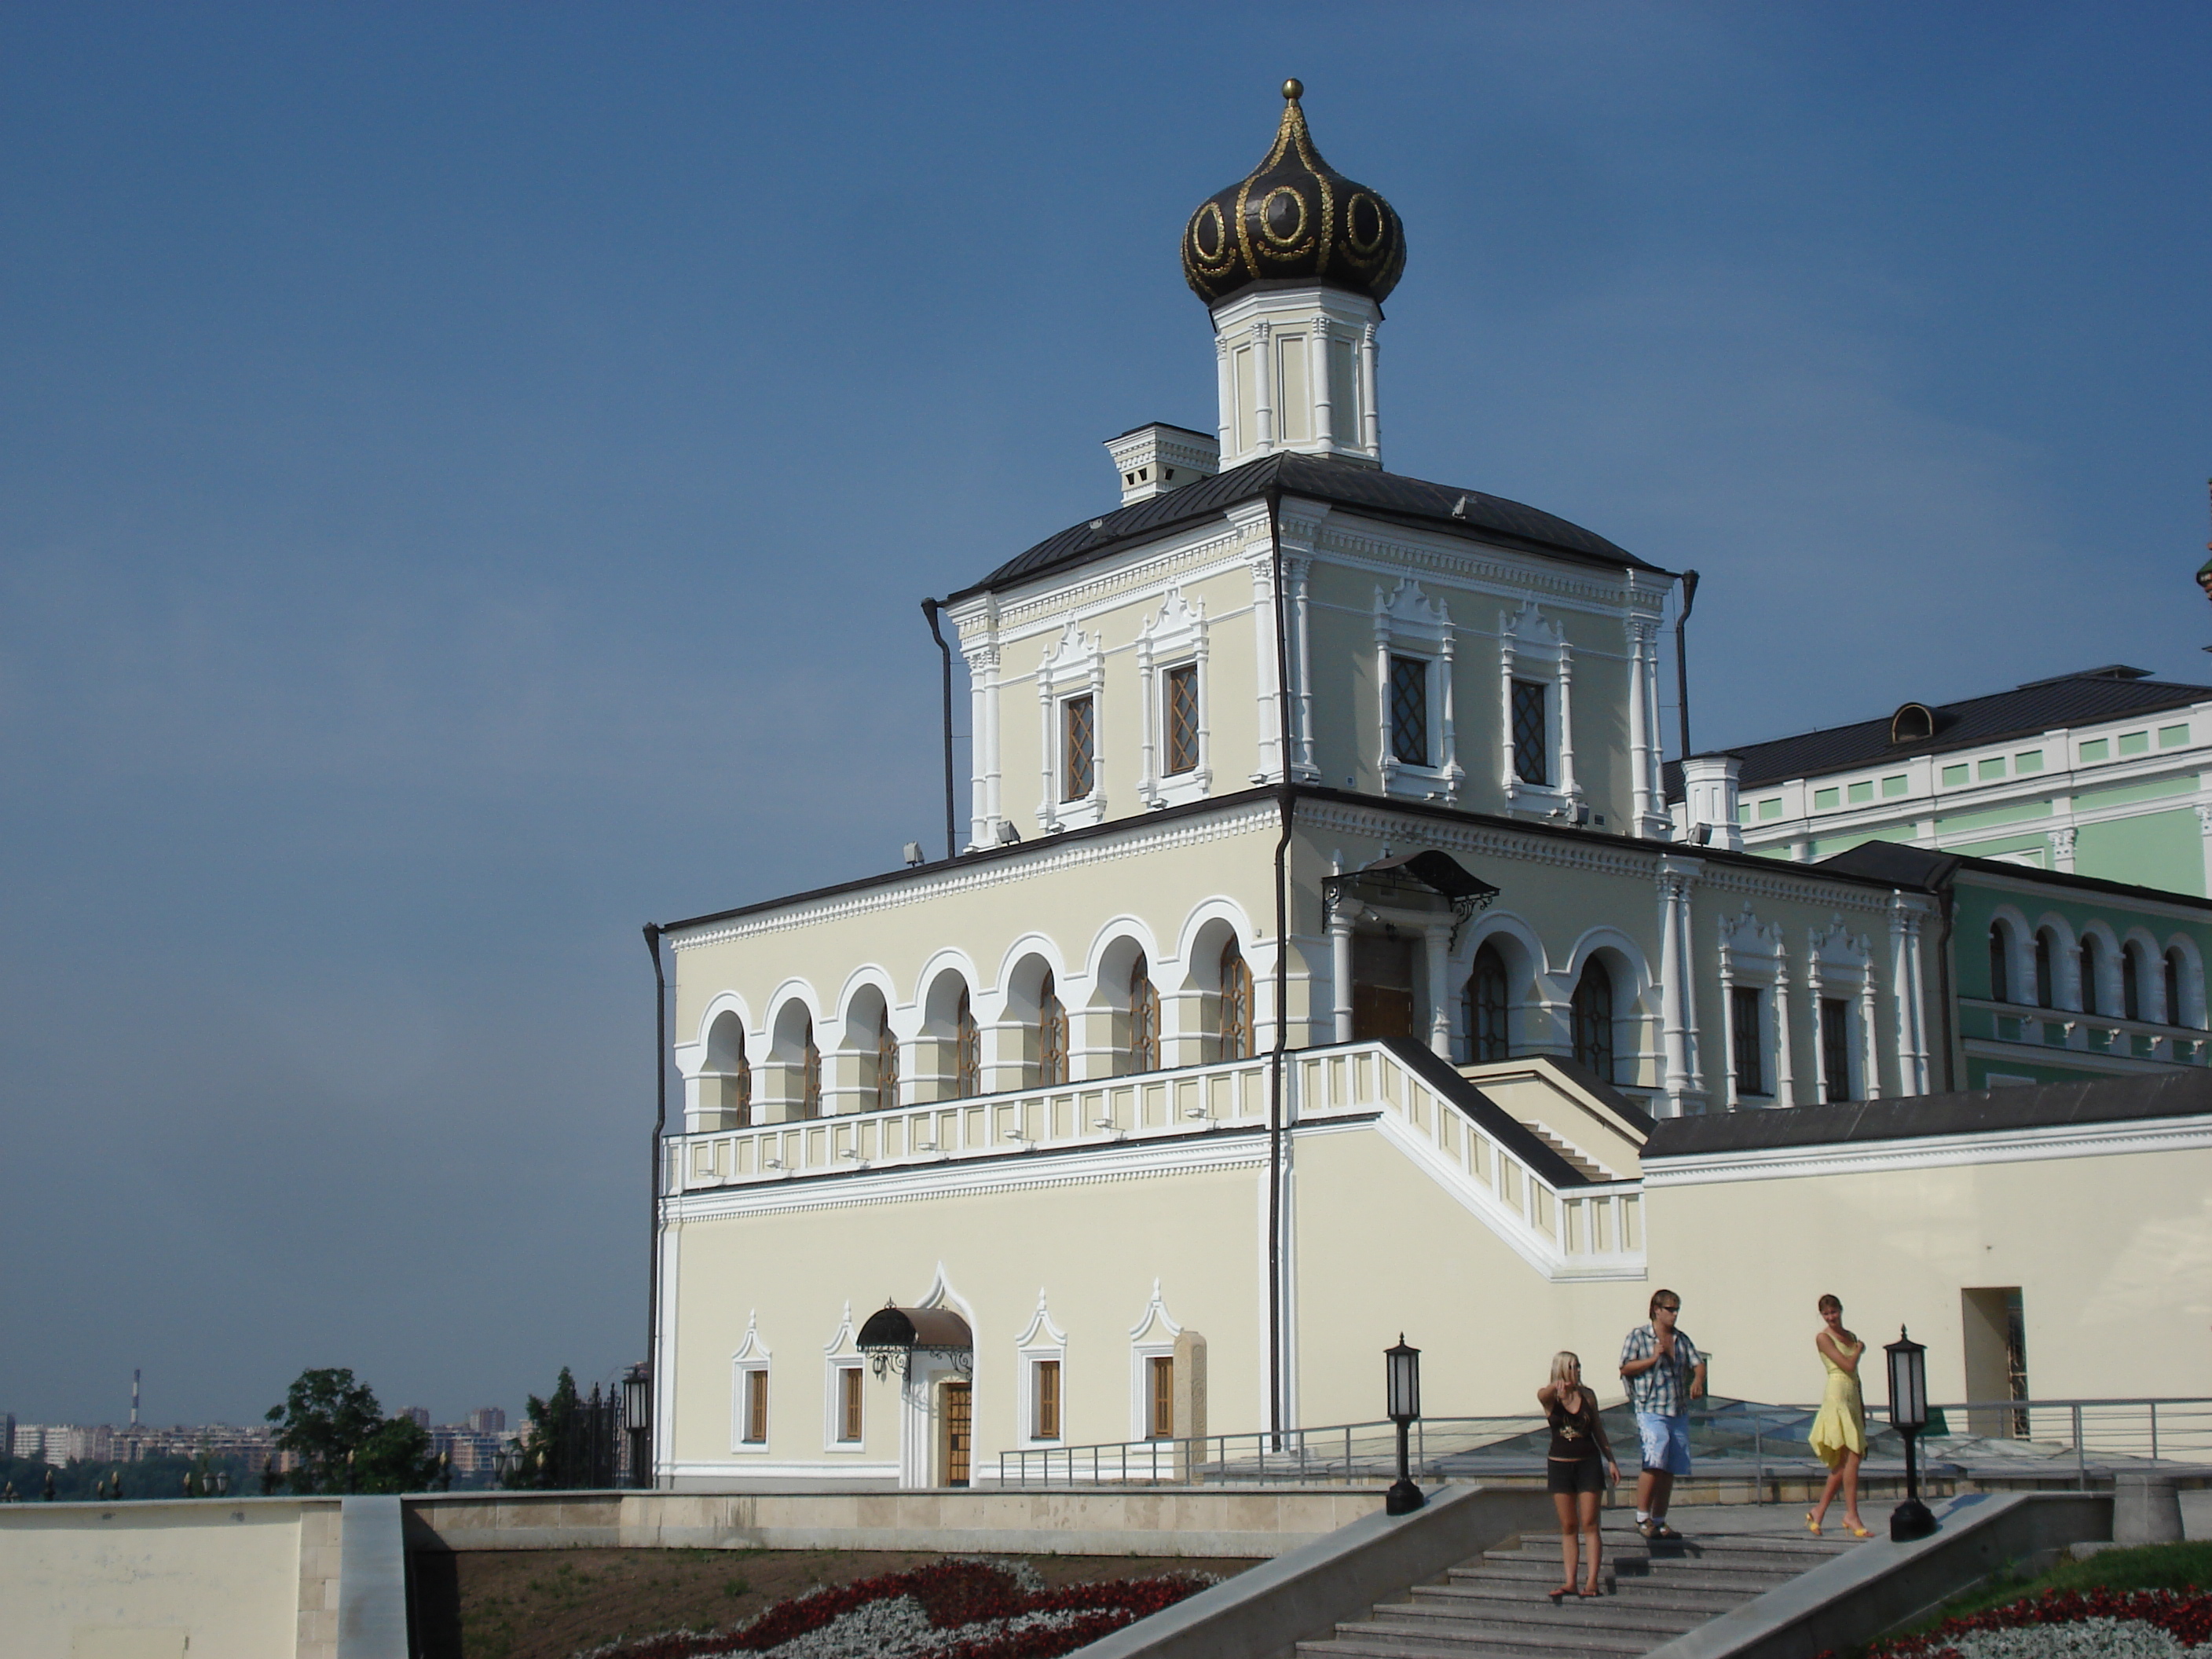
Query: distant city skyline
[{"x": 468, "y": 475}]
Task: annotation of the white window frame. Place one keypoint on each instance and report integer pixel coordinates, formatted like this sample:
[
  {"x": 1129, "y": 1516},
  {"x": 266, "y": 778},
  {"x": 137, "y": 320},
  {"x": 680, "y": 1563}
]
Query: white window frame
[
  {"x": 1408, "y": 623},
  {"x": 1841, "y": 962},
  {"x": 1153, "y": 1337},
  {"x": 1075, "y": 667},
  {"x": 751, "y": 1358},
  {"x": 1175, "y": 637},
  {"x": 1534, "y": 647},
  {"x": 1042, "y": 1341},
  {"x": 1755, "y": 956},
  {"x": 840, "y": 1355}
]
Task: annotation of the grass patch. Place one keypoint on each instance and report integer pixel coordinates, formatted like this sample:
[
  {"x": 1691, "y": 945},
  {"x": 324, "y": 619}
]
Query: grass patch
[{"x": 2146, "y": 1566}]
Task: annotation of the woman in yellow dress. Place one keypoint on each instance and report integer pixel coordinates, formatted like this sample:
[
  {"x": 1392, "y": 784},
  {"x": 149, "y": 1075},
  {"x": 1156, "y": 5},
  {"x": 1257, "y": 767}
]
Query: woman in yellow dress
[{"x": 1839, "y": 1432}]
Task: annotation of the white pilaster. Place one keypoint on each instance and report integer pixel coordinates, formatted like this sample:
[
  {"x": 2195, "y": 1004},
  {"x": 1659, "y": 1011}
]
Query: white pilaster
[{"x": 1437, "y": 938}]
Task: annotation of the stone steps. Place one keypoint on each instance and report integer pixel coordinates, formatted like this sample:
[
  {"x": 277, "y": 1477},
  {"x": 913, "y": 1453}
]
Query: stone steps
[{"x": 1655, "y": 1590}]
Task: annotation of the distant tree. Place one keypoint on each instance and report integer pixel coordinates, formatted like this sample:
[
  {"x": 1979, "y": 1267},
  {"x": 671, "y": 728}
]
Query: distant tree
[
  {"x": 343, "y": 1442},
  {"x": 551, "y": 1457}
]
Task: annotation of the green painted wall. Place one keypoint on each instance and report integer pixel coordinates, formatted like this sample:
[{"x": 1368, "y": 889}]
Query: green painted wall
[
  {"x": 1977, "y": 904},
  {"x": 1959, "y": 823},
  {"x": 2091, "y": 801},
  {"x": 2164, "y": 850}
]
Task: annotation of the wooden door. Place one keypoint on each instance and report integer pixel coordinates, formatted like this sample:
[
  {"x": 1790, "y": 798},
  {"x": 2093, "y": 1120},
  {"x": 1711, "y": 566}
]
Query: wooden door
[
  {"x": 958, "y": 1433},
  {"x": 1382, "y": 986}
]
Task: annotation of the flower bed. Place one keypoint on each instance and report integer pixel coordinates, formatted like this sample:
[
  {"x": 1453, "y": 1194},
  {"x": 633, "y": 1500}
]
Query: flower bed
[
  {"x": 2061, "y": 1624},
  {"x": 963, "y": 1608}
]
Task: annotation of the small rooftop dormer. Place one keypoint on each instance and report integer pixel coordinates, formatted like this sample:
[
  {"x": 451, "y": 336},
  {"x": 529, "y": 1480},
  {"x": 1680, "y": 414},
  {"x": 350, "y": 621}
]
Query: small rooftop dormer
[{"x": 1156, "y": 458}]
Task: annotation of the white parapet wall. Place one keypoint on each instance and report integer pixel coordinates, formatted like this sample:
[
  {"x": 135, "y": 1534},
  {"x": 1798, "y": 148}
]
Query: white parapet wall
[{"x": 251, "y": 1578}]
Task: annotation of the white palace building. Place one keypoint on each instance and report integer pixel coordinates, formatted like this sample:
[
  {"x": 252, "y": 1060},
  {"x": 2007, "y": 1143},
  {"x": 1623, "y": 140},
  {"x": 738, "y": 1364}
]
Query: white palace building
[{"x": 1324, "y": 963}]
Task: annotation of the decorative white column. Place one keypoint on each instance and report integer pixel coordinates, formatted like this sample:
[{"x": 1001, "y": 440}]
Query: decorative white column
[
  {"x": 2061, "y": 850},
  {"x": 1324, "y": 395},
  {"x": 1904, "y": 921},
  {"x": 2204, "y": 829},
  {"x": 1371, "y": 418},
  {"x": 1785, "y": 1081},
  {"x": 1339, "y": 967},
  {"x": 1567, "y": 722},
  {"x": 1654, "y": 751},
  {"x": 1270, "y": 686},
  {"x": 1437, "y": 937},
  {"x": 1820, "y": 1028},
  {"x": 1448, "y": 756},
  {"x": 1639, "y": 747},
  {"x": 1295, "y": 571},
  {"x": 1674, "y": 970},
  {"x": 983, "y": 744},
  {"x": 1731, "y": 1096},
  {"x": 1867, "y": 1032},
  {"x": 1225, "y": 380},
  {"x": 1506, "y": 780},
  {"x": 1263, "y": 385}
]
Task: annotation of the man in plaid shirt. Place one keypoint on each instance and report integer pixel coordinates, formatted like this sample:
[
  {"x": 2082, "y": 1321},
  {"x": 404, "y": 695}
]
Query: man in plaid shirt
[{"x": 1664, "y": 1372}]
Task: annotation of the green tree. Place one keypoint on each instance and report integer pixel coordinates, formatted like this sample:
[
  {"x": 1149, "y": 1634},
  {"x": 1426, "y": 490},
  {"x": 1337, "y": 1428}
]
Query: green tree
[
  {"x": 551, "y": 1454},
  {"x": 343, "y": 1442}
]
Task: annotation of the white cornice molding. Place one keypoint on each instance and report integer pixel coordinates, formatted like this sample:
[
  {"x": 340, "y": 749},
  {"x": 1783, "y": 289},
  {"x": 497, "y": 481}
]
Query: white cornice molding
[
  {"x": 1182, "y": 557},
  {"x": 2027, "y": 1146},
  {"x": 1495, "y": 840},
  {"x": 1078, "y": 1166},
  {"x": 1140, "y": 837},
  {"x": 1807, "y": 889},
  {"x": 1495, "y": 571}
]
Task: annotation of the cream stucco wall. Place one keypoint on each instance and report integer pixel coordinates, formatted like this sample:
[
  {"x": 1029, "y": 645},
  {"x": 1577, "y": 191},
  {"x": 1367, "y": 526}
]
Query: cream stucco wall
[{"x": 131, "y": 1581}]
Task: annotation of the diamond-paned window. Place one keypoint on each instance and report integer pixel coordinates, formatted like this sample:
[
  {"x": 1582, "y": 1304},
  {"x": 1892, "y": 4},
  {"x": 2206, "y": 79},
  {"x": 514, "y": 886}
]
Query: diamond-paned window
[
  {"x": 1531, "y": 742},
  {"x": 1182, "y": 718},
  {"x": 1078, "y": 724},
  {"x": 1409, "y": 710}
]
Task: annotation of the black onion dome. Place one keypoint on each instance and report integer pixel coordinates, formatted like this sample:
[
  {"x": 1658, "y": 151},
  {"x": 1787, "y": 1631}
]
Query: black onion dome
[{"x": 1294, "y": 218}]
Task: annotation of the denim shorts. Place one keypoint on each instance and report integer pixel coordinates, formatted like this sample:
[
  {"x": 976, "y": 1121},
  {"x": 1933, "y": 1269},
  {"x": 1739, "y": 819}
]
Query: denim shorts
[{"x": 1665, "y": 1441}]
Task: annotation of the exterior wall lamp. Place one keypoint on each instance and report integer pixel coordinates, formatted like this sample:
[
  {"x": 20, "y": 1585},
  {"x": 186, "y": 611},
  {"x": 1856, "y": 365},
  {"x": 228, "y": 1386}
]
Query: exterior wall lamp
[
  {"x": 1402, "y": 1376},
  {"x": 637, "y": 1418},
  {"x": 1908, "y": 1415}
]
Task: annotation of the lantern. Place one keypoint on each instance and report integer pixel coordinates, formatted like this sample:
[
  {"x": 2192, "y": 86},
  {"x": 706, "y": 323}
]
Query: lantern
[{"x": 1402, "y": 1399}]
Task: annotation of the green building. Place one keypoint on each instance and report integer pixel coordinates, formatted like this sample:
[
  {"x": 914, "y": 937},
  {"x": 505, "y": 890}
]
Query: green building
[
  {"x": 2101, "y": 773},
  {"x": 2047, "y": 976}
]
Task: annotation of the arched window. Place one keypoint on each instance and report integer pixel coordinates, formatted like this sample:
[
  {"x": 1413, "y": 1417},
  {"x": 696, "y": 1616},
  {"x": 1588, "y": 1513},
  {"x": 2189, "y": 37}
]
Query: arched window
[
  {"x": 1236, "y": 1003},
  {"x": 2131, "y": 982},
  {"x": 967, "y": 1050},
  {"x": 887, "y": 1066},
  {"x": 2089, "y": 967},
  {"x": 2000, "y": 965},
  {"x": 728, "y": 1071},
  {"x": 809, "y": 1076},
  {"x": 1144, "y": 1018},
  {"x": 1593, "y": 1019},
  {"x": 2043, "y": 953},
  {"x": 1052, "y": 1034},
  {"x": 2174, "y": 1015},
  {"x": 1485, "y": 1008}
]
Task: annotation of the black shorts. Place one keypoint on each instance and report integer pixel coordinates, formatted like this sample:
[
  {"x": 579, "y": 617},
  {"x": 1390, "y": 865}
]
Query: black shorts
[{"x": 1575, "y": 1476}]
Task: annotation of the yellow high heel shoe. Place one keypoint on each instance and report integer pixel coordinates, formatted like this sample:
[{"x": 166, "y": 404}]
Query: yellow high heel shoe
[{"x": 1812, "y": 1523}]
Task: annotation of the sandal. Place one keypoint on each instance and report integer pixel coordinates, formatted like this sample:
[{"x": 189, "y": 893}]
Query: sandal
[
  {"x": 1661, "y": 1529},
  {"x": 1861, "y": 1532},
  {"x": 1591, "y": 1594},
  {"x": 1812, "y": 1523},
  {"x": 1559, "y": 1591}
]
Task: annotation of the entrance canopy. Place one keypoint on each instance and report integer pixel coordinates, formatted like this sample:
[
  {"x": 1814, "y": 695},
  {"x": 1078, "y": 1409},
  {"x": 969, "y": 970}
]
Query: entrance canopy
[
  {"x": 894, "y": 1336},
  {"x": 1428, "y": 880}
]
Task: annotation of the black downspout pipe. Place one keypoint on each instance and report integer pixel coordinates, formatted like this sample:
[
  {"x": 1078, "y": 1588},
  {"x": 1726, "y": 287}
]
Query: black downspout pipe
[
  {"x": 1682, "y": 657},
  {"x": 643, "y": 1477},
  {"x": 1287, "y": 796},
  {"x": 929, "y": 609}
]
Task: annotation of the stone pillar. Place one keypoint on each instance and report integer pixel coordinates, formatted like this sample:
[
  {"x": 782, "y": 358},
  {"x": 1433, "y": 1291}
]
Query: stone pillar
[
  {"x": 1339, "y": 960},
  {"x": 1673, "y": 971},
  {"x": 1437, "y": 938}
]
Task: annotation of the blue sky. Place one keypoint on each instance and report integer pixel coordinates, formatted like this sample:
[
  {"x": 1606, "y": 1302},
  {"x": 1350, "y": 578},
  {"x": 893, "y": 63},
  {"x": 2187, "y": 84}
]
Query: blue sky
[{"x": 467, "y": 474}]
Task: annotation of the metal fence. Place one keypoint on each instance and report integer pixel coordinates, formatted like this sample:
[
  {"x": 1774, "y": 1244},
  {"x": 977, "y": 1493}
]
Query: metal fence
[{"x": 2068, "y": 1439}]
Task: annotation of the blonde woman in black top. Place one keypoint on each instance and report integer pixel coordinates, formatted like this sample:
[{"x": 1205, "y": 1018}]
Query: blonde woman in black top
[{"x": 1580, "y": 1466}]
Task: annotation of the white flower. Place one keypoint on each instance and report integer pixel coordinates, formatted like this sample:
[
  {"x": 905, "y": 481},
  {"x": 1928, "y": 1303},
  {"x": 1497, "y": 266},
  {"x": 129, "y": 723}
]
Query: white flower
[{"x": 2080, "y": 1638}]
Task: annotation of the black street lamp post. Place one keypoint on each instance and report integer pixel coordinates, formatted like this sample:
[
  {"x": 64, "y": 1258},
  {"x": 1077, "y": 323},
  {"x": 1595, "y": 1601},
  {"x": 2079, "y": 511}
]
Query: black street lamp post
[
  {"x": 637, "y": 1418},
  {"x": 1908, "y": 1415},
  {"x": 1402, "y": 1367}
]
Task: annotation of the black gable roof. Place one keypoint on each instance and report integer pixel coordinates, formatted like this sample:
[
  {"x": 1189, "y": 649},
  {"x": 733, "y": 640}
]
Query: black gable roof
[
  {"x": 1345, "y": 483},
  {"x": 2096, "y": 694}
]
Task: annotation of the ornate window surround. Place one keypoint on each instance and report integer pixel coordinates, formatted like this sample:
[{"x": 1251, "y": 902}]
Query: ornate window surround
[
  {"x": 1757, "y": 957},
  {"x": 1534, "y": 647},
  {"x": 1153, "y": 1337},
  {"x": 1174, "y": 636},
  {"x": 752, "y": 1356},
  {"x": 1840, "y": 961},
  {"x": 1043, "y": 1340},
  {"x": 840, "y": 1354},
  {"x": 1074, "y": 667},
  {"x": 1408, "y": 623}
]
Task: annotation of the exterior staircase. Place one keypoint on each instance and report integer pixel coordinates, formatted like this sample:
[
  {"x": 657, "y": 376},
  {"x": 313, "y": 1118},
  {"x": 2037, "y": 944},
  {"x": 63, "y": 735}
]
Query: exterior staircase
[
  {"x": 1653, "y": 1591},
  {"x": 1582, "y": 1164}
]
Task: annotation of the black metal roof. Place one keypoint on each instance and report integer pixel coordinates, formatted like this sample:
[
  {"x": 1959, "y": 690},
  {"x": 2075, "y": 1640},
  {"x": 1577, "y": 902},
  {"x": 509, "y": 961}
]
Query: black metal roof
[
  {"x": 2185, "y": 1092},
  {"x": 2094, "y": 694},
  {"x": 1895, "y": 865},
  {"x": 1450, "y": 508}
]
